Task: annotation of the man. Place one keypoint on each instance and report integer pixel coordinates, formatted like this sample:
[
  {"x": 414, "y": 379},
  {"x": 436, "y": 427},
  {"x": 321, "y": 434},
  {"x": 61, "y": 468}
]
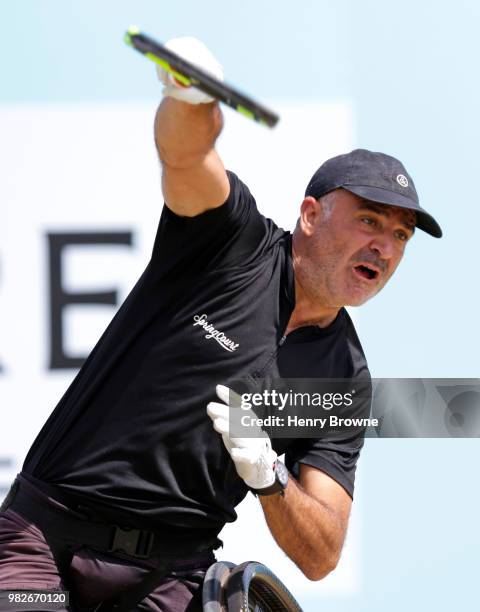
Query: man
[{"x": 124, "y": 491}]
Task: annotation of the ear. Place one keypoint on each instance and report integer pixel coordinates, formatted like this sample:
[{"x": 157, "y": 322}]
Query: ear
[{"x": 310, "y": 211}]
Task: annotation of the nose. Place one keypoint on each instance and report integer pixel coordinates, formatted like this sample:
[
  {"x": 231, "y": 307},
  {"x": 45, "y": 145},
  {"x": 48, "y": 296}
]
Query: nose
[{"x": 383, "y": 247}]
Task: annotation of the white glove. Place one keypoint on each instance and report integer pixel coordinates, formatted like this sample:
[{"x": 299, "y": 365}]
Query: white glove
[
  {"x": 194, "y": 51},
  {"x": 254, "y": 457}
]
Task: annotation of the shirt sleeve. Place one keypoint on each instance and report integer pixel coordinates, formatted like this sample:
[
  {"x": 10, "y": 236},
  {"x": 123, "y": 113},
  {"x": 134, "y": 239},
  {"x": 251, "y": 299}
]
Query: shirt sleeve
[
  {"x": 337, "y": 458},
  {"x": 228, "y": 235}
]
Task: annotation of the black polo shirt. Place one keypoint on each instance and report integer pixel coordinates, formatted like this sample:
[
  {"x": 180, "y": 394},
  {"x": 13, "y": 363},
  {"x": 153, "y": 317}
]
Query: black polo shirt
[{"x": 131, "y": 436}]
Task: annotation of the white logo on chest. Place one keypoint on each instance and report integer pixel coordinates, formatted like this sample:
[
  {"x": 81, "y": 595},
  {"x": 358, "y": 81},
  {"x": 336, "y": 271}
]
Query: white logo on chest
[{"x": 218, "y": 336}]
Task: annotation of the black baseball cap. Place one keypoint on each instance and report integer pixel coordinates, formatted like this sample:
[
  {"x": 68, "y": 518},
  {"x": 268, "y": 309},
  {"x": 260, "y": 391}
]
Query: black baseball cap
[{"x": 376, "y": 177}]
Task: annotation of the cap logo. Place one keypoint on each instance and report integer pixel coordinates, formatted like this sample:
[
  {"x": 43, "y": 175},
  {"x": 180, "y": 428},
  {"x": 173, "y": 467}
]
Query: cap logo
[{"x": 402, "y": 180}]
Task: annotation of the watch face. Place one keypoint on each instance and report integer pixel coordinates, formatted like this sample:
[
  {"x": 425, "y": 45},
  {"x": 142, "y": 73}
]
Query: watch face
[{"x": 281, "y": 473}]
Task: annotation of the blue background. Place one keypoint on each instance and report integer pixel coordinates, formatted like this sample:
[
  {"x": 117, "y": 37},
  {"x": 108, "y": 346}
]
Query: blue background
[{"x": 410, "y": 70}]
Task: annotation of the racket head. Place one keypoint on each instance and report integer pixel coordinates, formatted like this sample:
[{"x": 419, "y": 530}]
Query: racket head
[{"x": 190, "y": 75}]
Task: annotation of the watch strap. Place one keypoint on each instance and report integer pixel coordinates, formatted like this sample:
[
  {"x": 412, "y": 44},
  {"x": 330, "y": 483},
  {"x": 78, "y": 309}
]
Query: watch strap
[{"x": 280, "y": 483}]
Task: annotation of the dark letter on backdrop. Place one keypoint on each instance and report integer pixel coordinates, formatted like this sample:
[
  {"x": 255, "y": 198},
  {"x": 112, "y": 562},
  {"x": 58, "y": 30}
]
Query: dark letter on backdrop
[{"x": 59, "y": 298}]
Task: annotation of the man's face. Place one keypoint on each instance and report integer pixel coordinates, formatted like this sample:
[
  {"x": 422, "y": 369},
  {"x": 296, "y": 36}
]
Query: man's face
[{"x": 351, "y": 246}]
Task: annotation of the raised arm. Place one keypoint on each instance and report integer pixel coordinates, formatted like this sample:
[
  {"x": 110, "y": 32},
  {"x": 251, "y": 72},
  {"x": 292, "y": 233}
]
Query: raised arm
[{"x": 187, "y": 125}]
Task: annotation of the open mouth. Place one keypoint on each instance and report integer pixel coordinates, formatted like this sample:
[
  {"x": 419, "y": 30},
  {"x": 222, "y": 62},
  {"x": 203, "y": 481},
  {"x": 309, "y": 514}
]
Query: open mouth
[{"x": 366, "y": 272}]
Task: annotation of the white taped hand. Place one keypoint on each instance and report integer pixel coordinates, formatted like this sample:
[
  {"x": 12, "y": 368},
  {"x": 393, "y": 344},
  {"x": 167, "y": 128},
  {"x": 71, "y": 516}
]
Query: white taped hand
[
  {"x": 253, "y": 457},
  {"x": 194, "y": 51}
]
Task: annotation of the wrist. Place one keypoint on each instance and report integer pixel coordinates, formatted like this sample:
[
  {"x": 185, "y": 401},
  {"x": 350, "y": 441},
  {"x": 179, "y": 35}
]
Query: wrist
[{"x": 279, "y": 483}]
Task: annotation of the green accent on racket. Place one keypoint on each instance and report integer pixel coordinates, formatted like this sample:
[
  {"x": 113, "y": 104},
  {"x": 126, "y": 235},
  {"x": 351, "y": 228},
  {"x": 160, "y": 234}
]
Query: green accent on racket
[
  {"x": 166, "y": 66},
  {"x": 245, "y": 112}
]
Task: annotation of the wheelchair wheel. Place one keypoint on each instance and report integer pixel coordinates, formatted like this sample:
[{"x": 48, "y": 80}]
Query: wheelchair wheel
[
  {"x": 252, "y": 587},
  {"x": 213, "y": 594}
]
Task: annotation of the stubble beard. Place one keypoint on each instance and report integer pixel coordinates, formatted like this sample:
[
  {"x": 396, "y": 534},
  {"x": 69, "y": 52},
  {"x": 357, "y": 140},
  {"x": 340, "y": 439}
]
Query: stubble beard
[
  {"x": 317, "y": 276},
  {"x": 327, "y": 280}
]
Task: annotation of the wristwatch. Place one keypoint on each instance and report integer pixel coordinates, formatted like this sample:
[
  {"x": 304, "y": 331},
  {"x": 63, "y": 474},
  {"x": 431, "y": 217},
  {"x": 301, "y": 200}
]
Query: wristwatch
[{"x": 281, "y": 480}]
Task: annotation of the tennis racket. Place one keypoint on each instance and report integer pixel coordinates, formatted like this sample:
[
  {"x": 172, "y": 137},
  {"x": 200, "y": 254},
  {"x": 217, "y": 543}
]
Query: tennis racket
[{"x": 189, "y": 75}]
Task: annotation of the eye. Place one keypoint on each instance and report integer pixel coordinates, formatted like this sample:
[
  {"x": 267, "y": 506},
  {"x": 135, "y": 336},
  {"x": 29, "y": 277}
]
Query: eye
[
  {"x": 368, "y": 221},
  {"x": 401, "y": 235}
]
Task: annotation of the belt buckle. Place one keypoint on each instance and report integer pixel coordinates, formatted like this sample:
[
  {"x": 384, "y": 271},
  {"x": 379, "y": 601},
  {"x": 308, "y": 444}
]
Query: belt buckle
[{"x": 134, "y": 542}]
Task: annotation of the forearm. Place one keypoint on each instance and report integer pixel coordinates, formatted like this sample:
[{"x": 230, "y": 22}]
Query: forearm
[
  {"x": 306, "y": 529},
  {"x": 186, "y": 133}
]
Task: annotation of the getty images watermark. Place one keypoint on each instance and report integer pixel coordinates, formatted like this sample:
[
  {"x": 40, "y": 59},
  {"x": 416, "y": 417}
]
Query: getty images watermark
[{"x": 344, "y": 408}]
